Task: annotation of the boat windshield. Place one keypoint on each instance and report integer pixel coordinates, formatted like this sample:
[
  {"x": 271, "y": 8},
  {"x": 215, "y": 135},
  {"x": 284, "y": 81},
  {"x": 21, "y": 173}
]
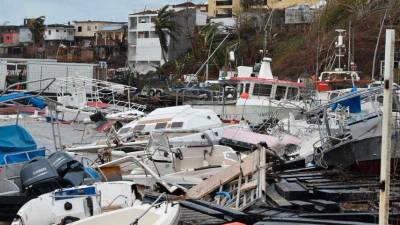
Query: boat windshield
[{"x": 280, "y": 92}]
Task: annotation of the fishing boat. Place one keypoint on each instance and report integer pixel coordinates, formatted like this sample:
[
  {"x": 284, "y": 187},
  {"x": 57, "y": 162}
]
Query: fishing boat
[{"x": 259, "y": 95}]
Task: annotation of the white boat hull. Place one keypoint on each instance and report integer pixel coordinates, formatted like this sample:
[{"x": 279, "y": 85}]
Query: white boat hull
[{"x": 166, "y": 214}]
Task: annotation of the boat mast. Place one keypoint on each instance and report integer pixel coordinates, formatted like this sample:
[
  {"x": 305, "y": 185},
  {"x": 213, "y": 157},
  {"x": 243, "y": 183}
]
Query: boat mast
[
  {"x": 384, "y": 184},
  {"x": 349, "y": 54}
]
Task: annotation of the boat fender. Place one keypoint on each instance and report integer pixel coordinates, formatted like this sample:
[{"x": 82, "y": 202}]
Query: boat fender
[{"x": 89, "y": 202}]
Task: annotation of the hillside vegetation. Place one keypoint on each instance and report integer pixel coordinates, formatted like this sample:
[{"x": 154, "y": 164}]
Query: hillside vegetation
[{"x": 294, "y": 49}]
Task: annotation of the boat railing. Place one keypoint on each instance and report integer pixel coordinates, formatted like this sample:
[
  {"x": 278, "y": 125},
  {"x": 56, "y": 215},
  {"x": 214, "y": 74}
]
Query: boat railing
[
  {"x": 128, "y": 105},
  {"x": 26, "y": 153},
  {"x": 153, "y": 205},
  {"x": 37, "y": 92},
  {"x": 97, "y": 91},
  {"x": 325, "y": 143},
  {"x": 363, "y": 94}
]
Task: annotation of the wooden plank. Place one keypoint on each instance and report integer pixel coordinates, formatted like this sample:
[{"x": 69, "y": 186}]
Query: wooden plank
[
  {"x": 276, "y": 199},
  {"x": 302, "y": 205},
  {"x": 291, "y": 191},
  {"x": 249, "y": 185},
  {"x": 329, "y": 206},
  {"x": 249, "y": 166}
]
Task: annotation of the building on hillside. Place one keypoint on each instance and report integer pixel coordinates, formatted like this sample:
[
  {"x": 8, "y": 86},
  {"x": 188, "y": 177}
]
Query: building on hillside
[
  {"x": 188, "y": 5},
  {"x": 144, "y": 49},
  {"x": 9, "y": 35},
  {"x": 10, "y": 45},
  {"x": 300, "y": 14},
  {"x": 229, "y": 8},
  {"x": 85, "y": 31},
  {"x": 59, "y": 33},
  {"x": 110, "y": 35},
  {"x": 111, "y": 44}
]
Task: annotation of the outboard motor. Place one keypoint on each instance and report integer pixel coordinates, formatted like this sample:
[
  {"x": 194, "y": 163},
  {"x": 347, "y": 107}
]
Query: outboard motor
[
  {"x": 71, "y": 172},
  {"x": 38, "y": 176}
]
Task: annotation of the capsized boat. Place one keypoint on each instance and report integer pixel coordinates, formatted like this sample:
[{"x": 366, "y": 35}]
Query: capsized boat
[{"x": 356, "y": 131}]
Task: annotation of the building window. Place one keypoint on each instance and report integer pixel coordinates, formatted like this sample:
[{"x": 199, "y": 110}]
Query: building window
[
  {"x": 224, "y": 2},
  {"x": 143, "y": 19},
  {"x": 89, "y": 28},
  {"x": 70, "y": 32},
  {"x": 247, "y": 88},
  {"x": 79, "y": 29},
  {"x": 95, "y": 27},
  {"x": 65, "y": 31},
  {"x": 262, "y": 90},
  {"x": 49, "y": 32},
  {"x": 153, "y": 19},
  {"x": 143, "y": 34},
  {"x": 57, "y": 31},
  {"x": 153, "y": 34}
]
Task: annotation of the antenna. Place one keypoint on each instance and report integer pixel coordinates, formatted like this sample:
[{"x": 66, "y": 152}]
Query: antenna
[{"x": 339, "y": 44}]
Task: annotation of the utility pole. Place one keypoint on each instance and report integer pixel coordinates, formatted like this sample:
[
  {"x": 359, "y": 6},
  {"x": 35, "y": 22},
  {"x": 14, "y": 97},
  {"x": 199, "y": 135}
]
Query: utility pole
[{"x": 384, "y": 184}]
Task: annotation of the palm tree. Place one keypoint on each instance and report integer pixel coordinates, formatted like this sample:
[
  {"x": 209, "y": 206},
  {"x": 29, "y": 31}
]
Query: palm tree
[
  {"x": 165, "y": 27},
  {"x": 37, "y": 28},
  {"x": 209, "y": 31}
]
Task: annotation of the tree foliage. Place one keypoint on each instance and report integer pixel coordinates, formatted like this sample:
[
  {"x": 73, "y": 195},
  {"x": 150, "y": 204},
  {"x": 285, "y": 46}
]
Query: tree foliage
[
  {"x": 37, "y": 28},
  {"x": 165, "y": 27}
]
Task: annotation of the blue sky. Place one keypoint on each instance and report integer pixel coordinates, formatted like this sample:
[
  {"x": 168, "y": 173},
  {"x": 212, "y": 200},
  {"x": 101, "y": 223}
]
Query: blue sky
[{"x": 61, "y": 11}]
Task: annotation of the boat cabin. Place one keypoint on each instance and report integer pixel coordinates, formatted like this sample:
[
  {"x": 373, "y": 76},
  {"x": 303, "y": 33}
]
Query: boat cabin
[{"x": 263, "y": 85}]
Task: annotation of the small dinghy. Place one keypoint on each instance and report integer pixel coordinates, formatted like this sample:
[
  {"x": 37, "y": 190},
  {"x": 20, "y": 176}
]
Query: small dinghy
[
  {"x": 67, "y": 205},
  {"x": 157, "y": 213}
]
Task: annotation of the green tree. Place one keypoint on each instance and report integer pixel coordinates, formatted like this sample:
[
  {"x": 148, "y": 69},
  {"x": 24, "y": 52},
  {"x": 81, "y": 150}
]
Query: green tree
[{"x": 165, "y": 27}]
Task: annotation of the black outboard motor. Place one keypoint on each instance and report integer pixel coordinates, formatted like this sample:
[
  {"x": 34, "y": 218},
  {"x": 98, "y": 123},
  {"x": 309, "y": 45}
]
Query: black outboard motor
[
  {"x": 71, "y": 172},
  {"x": 38, "y": 176}
]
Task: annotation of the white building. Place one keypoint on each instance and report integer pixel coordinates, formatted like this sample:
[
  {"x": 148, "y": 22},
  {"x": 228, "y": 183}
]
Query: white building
[
  {"x": 59, "y": 32},
  {"x": 144, "y": 50}
]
